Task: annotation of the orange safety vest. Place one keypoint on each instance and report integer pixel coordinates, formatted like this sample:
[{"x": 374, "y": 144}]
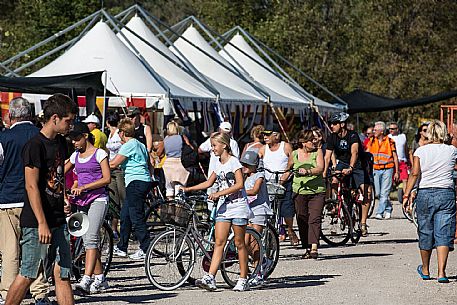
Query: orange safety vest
[{"x": 382, "y": 152}]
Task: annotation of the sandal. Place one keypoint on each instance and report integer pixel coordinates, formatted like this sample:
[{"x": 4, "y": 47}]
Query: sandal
[
  {"x": 314, "y": 254},
  {"x": 282, "y": 237},
  {"x": 294, "y": 241}
]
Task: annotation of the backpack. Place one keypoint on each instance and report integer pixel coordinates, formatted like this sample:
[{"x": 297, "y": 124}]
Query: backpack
[{"x": 189, "y": 156}]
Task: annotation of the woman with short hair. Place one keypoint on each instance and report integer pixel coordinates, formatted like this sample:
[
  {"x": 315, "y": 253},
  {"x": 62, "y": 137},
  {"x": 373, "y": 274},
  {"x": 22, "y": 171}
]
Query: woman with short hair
[{"x": 435, "y": 200}]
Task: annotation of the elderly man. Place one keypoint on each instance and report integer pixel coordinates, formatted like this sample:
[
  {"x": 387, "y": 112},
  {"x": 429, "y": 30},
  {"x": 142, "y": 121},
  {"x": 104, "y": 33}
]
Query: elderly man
[
  {"x": 276, "y": 155},
  {"x": 205, "y": 147},
  {"x": 385, "y": 166},
  {"x": 100, "y": 138},
  {"x": 401, "y": 144},
  {"x": 12, "y": 197}
]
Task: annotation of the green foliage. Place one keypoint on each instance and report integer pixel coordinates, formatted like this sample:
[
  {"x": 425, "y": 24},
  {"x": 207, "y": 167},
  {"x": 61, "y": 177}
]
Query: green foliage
[{"x": 398, "y": 48}]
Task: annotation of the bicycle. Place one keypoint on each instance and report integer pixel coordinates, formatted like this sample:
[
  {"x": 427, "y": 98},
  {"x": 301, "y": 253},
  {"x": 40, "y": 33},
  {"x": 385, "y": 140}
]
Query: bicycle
[
  {"x": 78, "y": 251},
  {"x": 174, "y": 251},
  {"x": 341, "y": 216}
]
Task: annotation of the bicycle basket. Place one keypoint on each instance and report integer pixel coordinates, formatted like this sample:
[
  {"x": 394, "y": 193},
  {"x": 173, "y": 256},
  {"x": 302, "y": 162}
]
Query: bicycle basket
[
  {"x": 175, "y": 213},
  {"x": 276, "y": 189}
]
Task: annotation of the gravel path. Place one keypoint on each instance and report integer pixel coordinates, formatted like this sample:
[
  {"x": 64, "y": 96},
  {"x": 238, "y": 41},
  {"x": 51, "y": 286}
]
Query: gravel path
[{"x": 378, "y": 270}]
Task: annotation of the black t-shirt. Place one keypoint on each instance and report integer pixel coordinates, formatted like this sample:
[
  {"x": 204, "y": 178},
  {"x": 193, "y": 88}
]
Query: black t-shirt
[
  {"x": 49, "y": 157},
  {"x": 342, "y": 146}
]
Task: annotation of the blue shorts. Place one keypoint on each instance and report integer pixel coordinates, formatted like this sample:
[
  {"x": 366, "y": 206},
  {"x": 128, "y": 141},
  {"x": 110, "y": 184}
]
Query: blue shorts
[
  {"x": 435, "y": 208},
  {"x": 37, "y": 256},
  {"x": 287, "y": 207},
  {"x": 233, "y": 221}
]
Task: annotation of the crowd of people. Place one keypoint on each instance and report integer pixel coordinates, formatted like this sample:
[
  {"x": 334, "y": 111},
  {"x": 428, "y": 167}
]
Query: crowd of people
[{"x": 43, "y": 175}]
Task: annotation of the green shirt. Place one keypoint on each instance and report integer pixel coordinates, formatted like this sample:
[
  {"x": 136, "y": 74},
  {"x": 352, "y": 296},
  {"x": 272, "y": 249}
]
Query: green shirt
[{"x": 307, "y": 185}]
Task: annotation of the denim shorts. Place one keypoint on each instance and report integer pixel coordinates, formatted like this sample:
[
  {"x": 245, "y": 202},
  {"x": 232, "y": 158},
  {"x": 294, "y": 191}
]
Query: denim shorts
[
  {"x": 435, "y": 209},
  {"x": 287, "y": 206},
  {"x": 36, "y": 256},
  {"x": 233, "y": 221}
]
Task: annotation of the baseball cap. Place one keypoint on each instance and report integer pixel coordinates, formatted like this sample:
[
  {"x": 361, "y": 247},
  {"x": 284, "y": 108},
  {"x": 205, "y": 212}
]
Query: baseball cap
[
  {"x": 132, "y": 110},
  {"x": 275, "y": 128},
  {"x": 78, "y": 130},
  {"x": 250, "y": 158},
  {"x": 226, "y": 126},
  {"x": 92, "y": 118}
]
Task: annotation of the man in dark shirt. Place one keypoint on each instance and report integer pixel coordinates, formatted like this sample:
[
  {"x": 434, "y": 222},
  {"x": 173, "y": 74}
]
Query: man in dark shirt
[
  {"x": 348, "y": 150},
  {"x": 43, "y": 216}
]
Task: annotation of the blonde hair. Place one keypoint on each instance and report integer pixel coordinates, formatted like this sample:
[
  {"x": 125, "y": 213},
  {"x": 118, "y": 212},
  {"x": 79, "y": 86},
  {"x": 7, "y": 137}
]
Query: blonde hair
[
  {"x": 172, "y": 128},
  {"x": 127, "y": 126},
  {"x": 256, "y": 131},
  {"x": 436, "y": 132},
  {"x": 223, "y": 138}
]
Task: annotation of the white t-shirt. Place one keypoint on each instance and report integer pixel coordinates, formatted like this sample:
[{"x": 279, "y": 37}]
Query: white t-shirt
[
  {"x": 234, "y": 205},
  {"x": 260, "y": 203},
  {"x": 206, "y": 147},
  {"x": 100, "y": 155},
  {"x": 114, "y": 145},
  {"x": 400, "y": 145},
  {"x": 437, "y": 163}
]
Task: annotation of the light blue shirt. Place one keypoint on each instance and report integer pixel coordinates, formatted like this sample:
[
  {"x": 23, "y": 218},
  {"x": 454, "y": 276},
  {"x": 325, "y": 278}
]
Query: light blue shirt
[{"x": 136, "y": 165}]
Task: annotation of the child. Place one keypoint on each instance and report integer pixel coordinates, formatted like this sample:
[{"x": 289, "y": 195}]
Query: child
[
  {"x": 256, "y": 190},
  {"x": 93, "y": 175},
  {"x": 233, "y": 210}
]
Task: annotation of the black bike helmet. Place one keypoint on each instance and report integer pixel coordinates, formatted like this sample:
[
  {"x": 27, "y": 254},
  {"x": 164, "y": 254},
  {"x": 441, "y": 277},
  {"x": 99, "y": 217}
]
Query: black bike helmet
[{"x": 338, "y": 117}]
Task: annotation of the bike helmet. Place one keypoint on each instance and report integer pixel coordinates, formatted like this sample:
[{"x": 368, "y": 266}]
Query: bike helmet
[{"x": 338, "y": 117}]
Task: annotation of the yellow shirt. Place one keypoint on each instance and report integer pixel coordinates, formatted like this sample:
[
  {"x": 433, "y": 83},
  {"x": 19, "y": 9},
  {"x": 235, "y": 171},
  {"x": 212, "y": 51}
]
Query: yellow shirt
[{"x": 100, "y": 138}]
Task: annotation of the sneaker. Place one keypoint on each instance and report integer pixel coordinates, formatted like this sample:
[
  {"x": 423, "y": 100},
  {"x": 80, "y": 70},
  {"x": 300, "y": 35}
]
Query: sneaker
[
  {"x": 206, "y": 282},
  {"x": 378, "y": 216},
  {"x": 241, "y": 285},
  {"x": 43, "y": 301},
  {"x": 2, "y": 301},
  {"x": 257, "y": 280},
  {"x": 97, "y": 286},
  {"x": 387, "y": 215},
  {"x": 119, "y": 252},
  {"x": 364, "y": 230},
  {"x": 138, "y": 255},
  {"x": 84, "y": 284}
]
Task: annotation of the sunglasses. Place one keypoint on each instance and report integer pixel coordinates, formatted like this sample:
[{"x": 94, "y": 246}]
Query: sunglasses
[
  {"x": 424, "y": 129},
  {"x": 393, "y": 128}
]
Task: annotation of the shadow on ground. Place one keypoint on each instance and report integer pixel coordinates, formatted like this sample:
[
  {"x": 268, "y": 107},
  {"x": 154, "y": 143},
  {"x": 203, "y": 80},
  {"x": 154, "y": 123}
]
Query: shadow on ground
[{"x": 297, "y": 281}]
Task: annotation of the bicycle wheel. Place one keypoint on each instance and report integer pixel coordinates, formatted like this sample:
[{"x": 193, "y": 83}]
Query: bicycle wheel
[
  {"x": 170, "y": 251},
  {"x": 106, "y": 246},
  {"x": 230, "y": 265},
  {"x": 356, "y": 212},
  {"x": 271, "y": 248},
  {"x": 372, "y": 201},
  {"x": 336, "y": 225}
]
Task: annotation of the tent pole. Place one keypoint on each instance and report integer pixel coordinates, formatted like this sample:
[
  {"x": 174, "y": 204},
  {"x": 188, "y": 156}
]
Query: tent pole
[
  {"x": 277, "y": 118},
  {"x": 104, "y": 102}
]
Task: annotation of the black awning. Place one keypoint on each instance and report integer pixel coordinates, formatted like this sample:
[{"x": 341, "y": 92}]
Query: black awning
[
  {"x": 363, "y": 101},
  {"x": 67, "y": 84}
]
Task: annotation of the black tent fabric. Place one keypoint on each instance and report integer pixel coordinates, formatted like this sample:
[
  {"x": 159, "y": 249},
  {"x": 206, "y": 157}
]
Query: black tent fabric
[
  {"x": 363, "y": 101},
  {"x": 68, "y": 84}
]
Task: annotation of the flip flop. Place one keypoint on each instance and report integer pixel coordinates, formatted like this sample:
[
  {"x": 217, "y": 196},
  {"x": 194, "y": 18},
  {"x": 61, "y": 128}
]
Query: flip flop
[
  {"x": 423, "y": 276},
  {"x": 443, "y": 280}
]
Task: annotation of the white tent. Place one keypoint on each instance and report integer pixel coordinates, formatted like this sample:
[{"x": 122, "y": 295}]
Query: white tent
[
  {"x": 99, "y": 49},
  {"x": 181, "y": 84},
  {"x": 262, "y": 72},
  {"x": 229, "y": 85}
]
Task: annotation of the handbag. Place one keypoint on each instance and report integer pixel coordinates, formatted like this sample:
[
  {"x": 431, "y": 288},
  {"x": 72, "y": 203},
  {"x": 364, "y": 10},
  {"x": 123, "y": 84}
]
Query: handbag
[{"x": 189, "y": 156}]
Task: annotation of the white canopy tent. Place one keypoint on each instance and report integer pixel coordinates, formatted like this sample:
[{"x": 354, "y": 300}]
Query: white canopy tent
[
  {"x": 99, "y": 49},
  {"x": 240, "y": 54},
  {"x": 229, "y": 85},
  {"x": 182, "y": 85}
]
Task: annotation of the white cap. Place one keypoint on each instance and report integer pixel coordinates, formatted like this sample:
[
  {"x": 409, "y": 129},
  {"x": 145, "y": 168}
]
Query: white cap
[
  {"x": 226, "y": 126},
  {"x": 92, "y": 118}
]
